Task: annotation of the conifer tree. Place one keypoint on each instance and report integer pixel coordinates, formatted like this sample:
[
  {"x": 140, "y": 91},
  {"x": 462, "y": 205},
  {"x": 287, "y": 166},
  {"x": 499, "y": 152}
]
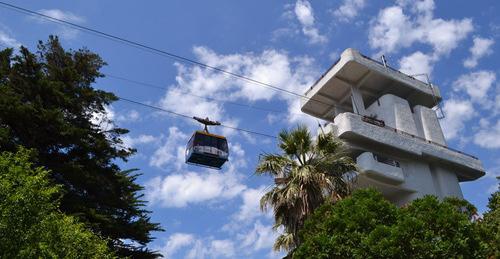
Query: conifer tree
[{"x": 47, "y": 103}]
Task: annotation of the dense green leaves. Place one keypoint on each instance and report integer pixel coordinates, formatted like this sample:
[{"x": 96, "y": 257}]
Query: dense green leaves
[
  {"x": 307, "y": 173},
  {"x": 367, "y": 226},
  {"x": 490, "y": 225},
  {"x": 47, "y": 104},
  {"x": 30, "y": 224}
]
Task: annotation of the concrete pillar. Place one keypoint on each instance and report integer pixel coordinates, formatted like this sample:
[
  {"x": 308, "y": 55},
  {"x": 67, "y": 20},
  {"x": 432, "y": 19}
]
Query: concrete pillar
[
  {"x": 395, "y": 112},
  {"x": 358, "y": 105},
  {"x": 428, "y": 124},
  {"x": 446, "y": 182}
]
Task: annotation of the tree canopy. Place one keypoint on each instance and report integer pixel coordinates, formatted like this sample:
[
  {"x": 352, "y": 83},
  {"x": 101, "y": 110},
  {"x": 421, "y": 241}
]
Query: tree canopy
[
  {"x": 47, "y": 103},
  {"x": 368, "y": 226},
  {"x": 31, "y": 226},
  {"x": 491, "y": 225},
  {"x": 306, "y": 173}
]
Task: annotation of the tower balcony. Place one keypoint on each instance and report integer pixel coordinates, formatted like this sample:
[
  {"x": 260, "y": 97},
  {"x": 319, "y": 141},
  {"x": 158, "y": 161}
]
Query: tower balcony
[
  {"x": 356, "y": 81},
  {"x": 380, "y": 168},
  {"x": 362, "y": 131}
]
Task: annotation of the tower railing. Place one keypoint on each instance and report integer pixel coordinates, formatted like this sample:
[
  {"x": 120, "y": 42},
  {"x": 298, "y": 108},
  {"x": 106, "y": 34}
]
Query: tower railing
[{"x": 381, "y": 124}]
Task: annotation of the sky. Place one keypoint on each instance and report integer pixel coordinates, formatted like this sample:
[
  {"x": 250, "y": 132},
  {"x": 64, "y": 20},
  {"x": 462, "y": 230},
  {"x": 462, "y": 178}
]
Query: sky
[{"x": 215, "y": 214}]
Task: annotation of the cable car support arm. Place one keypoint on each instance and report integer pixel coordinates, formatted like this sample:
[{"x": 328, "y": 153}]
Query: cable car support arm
[{"x": 207, "y": 122}]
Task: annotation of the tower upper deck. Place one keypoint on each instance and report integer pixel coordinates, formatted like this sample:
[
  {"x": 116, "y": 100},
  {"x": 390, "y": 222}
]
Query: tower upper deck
[{"x": 372, "y": 78}]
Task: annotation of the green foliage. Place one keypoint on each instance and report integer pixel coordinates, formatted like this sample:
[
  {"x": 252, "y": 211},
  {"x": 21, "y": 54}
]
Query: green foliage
[
  {"x": 30, "y": 224},
  {"x": 490, "y": 225},
  {"x": 47, "y": 104},
  {"x": 307, "y": 173},
  {"x": 367, "y": 226},
  {"x": 351, "y": 219}
]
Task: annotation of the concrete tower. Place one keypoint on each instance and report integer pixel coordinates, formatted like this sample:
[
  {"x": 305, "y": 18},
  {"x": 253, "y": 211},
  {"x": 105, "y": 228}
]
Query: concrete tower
[{"x": 391, "y": 129}]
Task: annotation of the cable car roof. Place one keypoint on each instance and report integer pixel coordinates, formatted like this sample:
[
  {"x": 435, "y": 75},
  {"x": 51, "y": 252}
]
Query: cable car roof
[{"x": 210, "y": 134}]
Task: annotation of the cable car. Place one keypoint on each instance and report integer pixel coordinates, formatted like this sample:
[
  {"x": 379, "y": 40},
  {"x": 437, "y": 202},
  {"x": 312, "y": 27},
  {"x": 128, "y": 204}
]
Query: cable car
[{"x": 206, "y": 149}]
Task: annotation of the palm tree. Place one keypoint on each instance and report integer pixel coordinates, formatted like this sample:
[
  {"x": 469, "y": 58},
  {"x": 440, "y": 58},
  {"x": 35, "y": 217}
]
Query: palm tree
[{"x": 307, "y": 173}]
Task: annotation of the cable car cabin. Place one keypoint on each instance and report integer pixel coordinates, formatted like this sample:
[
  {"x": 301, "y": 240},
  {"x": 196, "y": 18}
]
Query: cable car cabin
[{"x": 207, "y": 149}]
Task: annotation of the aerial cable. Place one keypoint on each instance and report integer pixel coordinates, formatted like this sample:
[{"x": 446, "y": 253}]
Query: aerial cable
[
  {"x": 191, "y": 94},
  {"x": 184, "y": 92},
  {"x": 192, "y": 117},
  {"x": 154, "y": 50}
]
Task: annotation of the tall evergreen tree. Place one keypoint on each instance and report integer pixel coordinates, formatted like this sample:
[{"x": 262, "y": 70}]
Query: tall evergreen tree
[{"x": 47, "y": 103}]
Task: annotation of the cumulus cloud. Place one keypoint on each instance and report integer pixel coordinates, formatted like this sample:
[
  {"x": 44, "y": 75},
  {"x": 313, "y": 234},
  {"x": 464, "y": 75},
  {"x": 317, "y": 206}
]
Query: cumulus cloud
[
  {"x": 488, "y": 136},
  {"x": 6, "y": 38},
  {"x": 481, "y": 48},
  {"x": 416, "y": 63},
  {"x": 171, "y": 152},
  {"x": 197, "y": 247},
  {"x": 391, "y": 30},
  {"x": 129, "y": 116},
  {"x": 444, "y": 35},
  {"x": 305, "y": 14},
  {"x": 250, "y": 208},
  {"x": 259, "y": 237},
  {"x": 476, "y": 85},
  {"x": 273, "y": 67},
  {"x": 394, "y": 29},
  {"x": 211, "y": 249},
  {"x": 175, "y": 242},
  {"x": 104, "y": 120},
  {"x": 184, "y": 187},
  {"x": 349, "y": 10},
  {"x": 63, "y": 31},
  {"x": 181, "y": 189},
  {"x": 62, "y": 15},
  {"x": 457, "y": 112},
  {"x": 132, "y": 142}
]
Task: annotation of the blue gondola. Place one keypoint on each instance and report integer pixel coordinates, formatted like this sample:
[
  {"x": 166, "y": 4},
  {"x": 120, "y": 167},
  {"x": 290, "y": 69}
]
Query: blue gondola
[{"x": 207, "y": 149}]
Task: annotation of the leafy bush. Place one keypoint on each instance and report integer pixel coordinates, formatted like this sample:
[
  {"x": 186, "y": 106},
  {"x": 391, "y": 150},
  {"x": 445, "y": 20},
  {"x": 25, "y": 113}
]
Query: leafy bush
[
  {"x": 366, "y": 225},
  {"x": 31, "y": 225},
  {"x": 491, "y": 225}
]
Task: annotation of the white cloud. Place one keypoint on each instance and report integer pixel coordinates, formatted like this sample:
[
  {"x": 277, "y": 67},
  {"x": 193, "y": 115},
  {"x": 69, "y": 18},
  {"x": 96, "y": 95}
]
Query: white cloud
[
  {"x": 212, "y": 249},
  {"x": 175, "y": 242},
  {"x": 488, "y": 137},
  {"x": 349, "y": 10},
  {"x": 295, "y": 116},
  {"x": 457, "y": 113},
  {"x": 197, "y": 247},
  {"x": 181, "y": 189},
  {"x": 142, "y": 139},
  {"x": 259, "y": 237},
  {"x": 416, "y": 63},
  {"x": 250, "y": 208},
  {"x": 223, "y": 248},
  {"x": 476, "y": 85},
  {"x": 184, "y": 187},
  {"x": 420, "y": 6},
  {"x": 62, "y": 15},
  {"x": 104, "y": 120},
  {"x": 130, "y": 116},
  {"x": 6, "y": 40},
  {"x": 305, "y": 15},
  {"x": 393, "y": 29},
  {"x": 444, "y": 35},
  {"x": 273, "y": 67},
  {"x": 491, "y": 176},
  {"x": 171, "y": 151},
  {"x": 64, "y": 31},
  {"x": 481, "y": 48}
]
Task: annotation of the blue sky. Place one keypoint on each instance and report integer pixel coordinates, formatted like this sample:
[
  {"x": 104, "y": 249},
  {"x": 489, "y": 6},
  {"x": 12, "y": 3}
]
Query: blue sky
[{"x": 214, "y": 214}]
